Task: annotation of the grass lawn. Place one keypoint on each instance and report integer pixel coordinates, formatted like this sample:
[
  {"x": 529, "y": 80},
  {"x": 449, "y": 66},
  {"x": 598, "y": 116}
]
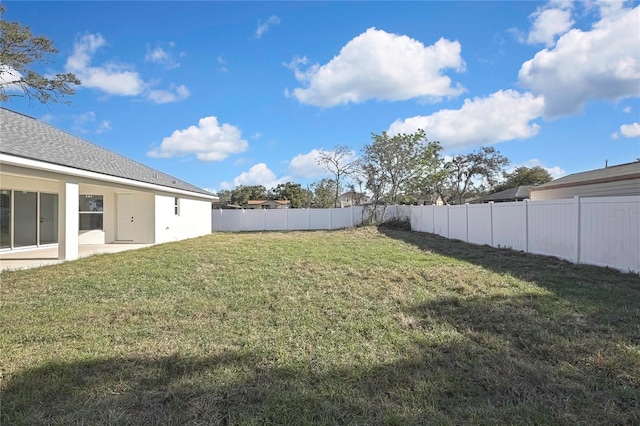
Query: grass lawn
[{"x": 364, "y": 326}]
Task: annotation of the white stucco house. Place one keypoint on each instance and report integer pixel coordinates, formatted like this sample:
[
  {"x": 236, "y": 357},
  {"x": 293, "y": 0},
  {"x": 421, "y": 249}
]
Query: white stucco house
[{"x": 56, "y": 188}]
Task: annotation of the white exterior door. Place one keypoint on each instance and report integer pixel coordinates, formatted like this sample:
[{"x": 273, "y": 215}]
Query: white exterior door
[{"x": 124, "y": 231}]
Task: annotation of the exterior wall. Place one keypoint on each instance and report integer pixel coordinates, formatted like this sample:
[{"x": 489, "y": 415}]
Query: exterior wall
[
  {"x": 608, "y": 189},
  {"x": 194, "y": 219},
  {"x": 153, "y": 211}
]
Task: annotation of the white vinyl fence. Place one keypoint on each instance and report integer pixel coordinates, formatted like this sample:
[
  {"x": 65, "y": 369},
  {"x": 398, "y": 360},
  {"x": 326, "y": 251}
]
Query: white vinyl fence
[
  {"x": 297, "y": 219},
  {"x": 603, "y": 231}
]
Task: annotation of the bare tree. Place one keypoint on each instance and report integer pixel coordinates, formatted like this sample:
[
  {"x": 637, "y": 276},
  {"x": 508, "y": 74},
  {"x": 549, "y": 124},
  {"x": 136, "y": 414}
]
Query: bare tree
[{"x": 341, "y": 163}]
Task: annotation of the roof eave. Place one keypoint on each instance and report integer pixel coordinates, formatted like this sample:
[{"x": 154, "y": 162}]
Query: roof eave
[{"x": 70, "y": 171}]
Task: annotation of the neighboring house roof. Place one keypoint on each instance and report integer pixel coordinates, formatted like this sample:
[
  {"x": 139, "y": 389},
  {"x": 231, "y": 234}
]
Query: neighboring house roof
[
  {"x": 26, "y": 137},
  {"x": 258, "y": 202},
  {"x": 608, "y": 174},
  {"x": 511, "y": 194}
]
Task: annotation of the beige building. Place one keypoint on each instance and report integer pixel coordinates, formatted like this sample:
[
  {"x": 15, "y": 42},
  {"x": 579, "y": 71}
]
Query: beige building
[
  {"x": 267, "y": 204},
  {"x": 613, "y": 181}
]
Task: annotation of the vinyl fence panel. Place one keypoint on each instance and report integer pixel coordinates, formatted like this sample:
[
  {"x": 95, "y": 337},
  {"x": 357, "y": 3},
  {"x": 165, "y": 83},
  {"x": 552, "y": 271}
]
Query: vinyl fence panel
[
  {"x": 276, "y": 220},
  {"x": 602, "y": 231},
  {"x": 553, "y": 228},
  {"x": 227, "y": 220},
  {"x": 298, "y": 219},
  {"x": 479, "y": 224},
  {"x": 441, "y": 220},
  {"x": 458, "y": 222},
  {"x": 610, "y": 232},
  {"x": 510, "y": 225}
]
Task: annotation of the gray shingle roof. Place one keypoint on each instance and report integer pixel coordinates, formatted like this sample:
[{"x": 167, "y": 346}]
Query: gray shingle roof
[
  {"x": 511, "y": 194},
  {"x": 619, "y": 172},
  {"x": 26, "y": 137}
]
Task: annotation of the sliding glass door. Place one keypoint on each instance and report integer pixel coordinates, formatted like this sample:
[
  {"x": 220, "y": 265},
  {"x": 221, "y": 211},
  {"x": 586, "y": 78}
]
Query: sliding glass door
[
  {"x": 5, "y": 219},
  {"x": 25, "y": 218},
  {"x": 28, "y": 219}
]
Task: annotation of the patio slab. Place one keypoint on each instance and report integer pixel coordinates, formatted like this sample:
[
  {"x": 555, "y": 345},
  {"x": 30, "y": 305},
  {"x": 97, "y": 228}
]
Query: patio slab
[{"x": 36, "y": 257}]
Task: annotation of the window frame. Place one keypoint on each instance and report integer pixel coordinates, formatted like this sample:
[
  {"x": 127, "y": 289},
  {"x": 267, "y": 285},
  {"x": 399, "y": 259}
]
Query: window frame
[{"x": 92, "y": 214}]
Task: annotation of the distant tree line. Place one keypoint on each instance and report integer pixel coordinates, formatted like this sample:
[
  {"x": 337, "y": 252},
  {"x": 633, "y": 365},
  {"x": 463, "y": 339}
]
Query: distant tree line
[{"x": 399, "y": 169}]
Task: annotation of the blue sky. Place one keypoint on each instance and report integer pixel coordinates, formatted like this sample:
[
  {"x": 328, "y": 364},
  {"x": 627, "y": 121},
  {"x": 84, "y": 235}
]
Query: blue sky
[{"x": 227, "y": 93}]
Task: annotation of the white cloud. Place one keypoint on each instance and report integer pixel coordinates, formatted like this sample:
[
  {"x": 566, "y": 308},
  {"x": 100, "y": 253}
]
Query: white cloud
[
  {"x": 630, "y": 130},
  {"x": 9, "y": 75},
  {"x": 263, "y": 27},
  {"x": 305, "y": 166},
  {"x": 502, "y": 116},
  {"x": 117, "y": 79},
  {"x": 208, "y": 140},
  {"x": 112, "y": 78},
  {"x": 550, "y": 23},
  {"x": 602, "y": 63},
  {"x": 86, "y": 123},
  {"x": 555, "y": 172},
  {"x": 222, "y": 63},
  {"x": 259, "y": 174},
  {"x": 627, "y": 109},
  {"x": 162, "y": 56},
  {"x": 174, "y": 94},
  {"x": 380, "y": 65}
]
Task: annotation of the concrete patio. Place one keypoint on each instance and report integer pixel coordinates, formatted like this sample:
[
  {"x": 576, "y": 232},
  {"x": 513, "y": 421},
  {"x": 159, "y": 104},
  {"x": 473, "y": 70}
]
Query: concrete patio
[{"x": 36, "y": 257}]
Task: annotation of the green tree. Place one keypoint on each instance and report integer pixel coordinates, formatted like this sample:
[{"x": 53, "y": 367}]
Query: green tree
[
  {"x": 399, "y": 167},
  {"x": 473, "y": 173},
  {"x": 241, "y": 194},
  {"x": 524, "y": 175},
  {"x": 293, "y": 192},
  {"x": 340, "y": 162},
  {"x": 224, "y": 196},
  {"x": 20, "y": 50},
  {"x": 323, "y": 193}
]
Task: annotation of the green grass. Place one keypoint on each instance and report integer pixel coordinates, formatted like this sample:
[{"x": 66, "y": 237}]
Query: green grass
[{"x": 364, "y": 326}]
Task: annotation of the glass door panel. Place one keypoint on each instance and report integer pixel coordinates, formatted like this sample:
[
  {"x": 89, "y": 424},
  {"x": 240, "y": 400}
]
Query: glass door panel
[
  {"x": 48, "y": 218},
  {"x": 5, "y": 219},
  {"x": 25, "y": 218}
]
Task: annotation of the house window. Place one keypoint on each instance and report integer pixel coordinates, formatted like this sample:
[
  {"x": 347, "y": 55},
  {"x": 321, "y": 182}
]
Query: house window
[
  {"x": 176, "y": 206},
  {"x": 91, "y": 212}
]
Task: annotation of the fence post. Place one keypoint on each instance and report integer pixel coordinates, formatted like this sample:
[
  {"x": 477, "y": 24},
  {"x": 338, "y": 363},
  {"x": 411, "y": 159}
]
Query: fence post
[
  {"x": 448, "y": 223},
  {"x": 576, "y": 204},
  {"x": 466, "y": 220},
  {"x": 491, "y": 220},
  {"x": 433, "y": 219},
  {"x": 352, "y": 215},
  {"x": 526, "y": 226}
]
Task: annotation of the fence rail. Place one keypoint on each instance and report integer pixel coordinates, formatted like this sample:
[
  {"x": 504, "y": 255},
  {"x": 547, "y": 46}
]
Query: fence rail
[{"x": 603, "y": 231}]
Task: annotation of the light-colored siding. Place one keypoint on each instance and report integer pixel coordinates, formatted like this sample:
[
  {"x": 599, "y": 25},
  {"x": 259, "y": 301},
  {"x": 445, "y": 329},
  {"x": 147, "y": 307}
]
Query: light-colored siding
[
  {"x": 194, "y": 219},
  {"x": 606, "y": 189}
]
